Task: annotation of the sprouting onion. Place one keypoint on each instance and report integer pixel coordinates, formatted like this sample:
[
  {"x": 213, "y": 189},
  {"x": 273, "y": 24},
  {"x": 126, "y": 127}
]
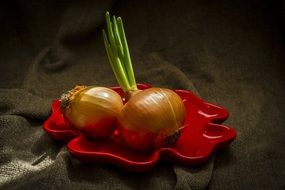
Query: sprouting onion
[{"x": 148, "y": 114}]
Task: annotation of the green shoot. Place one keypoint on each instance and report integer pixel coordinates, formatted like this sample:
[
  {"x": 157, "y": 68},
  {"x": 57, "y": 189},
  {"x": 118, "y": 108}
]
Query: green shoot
[{"x": 118, "y": 53}]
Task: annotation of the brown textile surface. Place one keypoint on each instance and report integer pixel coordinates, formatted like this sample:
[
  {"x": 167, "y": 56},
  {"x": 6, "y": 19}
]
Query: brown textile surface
[{"x": 231, "y": 52}]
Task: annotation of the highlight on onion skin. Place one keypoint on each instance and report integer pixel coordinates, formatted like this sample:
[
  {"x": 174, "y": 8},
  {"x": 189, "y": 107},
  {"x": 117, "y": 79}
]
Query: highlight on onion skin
[{"x": 93, "y": 110}]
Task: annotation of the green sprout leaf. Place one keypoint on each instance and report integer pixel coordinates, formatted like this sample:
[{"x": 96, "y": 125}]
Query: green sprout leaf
[{"x": 118, "y": 53}]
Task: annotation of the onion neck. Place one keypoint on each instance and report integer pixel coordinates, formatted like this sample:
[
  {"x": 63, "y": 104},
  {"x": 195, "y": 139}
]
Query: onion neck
[
  {"x": 129, "y": 94},
  {"x": 65, "y": 98}
]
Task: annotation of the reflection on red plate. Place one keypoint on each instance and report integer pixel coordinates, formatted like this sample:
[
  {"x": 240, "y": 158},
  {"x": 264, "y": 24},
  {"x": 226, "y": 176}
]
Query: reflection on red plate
[{"x": 202, "y": 135}]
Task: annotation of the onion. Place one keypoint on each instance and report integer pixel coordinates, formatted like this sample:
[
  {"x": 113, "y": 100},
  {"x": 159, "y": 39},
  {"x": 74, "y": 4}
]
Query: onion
[
  {"x": 153, "y": 114},
  {"x": 93, "y": 110},
  {"x": 150, "y": 117},
  {"x": 153, "y": 110}
]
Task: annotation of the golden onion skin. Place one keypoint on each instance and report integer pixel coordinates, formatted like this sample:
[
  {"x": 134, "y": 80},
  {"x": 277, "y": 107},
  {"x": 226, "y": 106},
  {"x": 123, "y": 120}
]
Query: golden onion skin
[
  {"x": 94, "y": 110},
  {"x": 150, "y": 112}
]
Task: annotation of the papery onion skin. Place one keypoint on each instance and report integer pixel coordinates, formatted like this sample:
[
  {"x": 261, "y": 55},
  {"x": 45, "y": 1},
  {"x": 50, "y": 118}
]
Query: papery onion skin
[
  {"x": 94, "y": 111},
  {"x": 152, "y": 113}
]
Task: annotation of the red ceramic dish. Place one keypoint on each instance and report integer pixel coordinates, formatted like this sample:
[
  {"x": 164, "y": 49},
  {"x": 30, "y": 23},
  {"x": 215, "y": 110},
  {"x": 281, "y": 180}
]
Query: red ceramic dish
[{"x": 202, "y": 135}]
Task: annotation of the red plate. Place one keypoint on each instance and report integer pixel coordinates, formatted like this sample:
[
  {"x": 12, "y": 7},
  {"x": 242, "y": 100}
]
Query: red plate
[{"x": 202, "y": 135}]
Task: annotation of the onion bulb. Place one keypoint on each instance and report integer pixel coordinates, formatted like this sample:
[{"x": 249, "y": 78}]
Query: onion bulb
[
  {"x": 155, "y": 112},
  {"x": 93, "y": 110}
]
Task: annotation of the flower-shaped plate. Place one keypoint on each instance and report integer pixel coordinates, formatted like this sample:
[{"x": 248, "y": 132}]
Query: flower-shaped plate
[{"x": 202, "y": 135}]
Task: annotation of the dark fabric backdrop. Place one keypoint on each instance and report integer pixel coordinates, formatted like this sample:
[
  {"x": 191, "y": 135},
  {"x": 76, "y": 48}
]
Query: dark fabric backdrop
[{"x": 230, "y": 52}]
